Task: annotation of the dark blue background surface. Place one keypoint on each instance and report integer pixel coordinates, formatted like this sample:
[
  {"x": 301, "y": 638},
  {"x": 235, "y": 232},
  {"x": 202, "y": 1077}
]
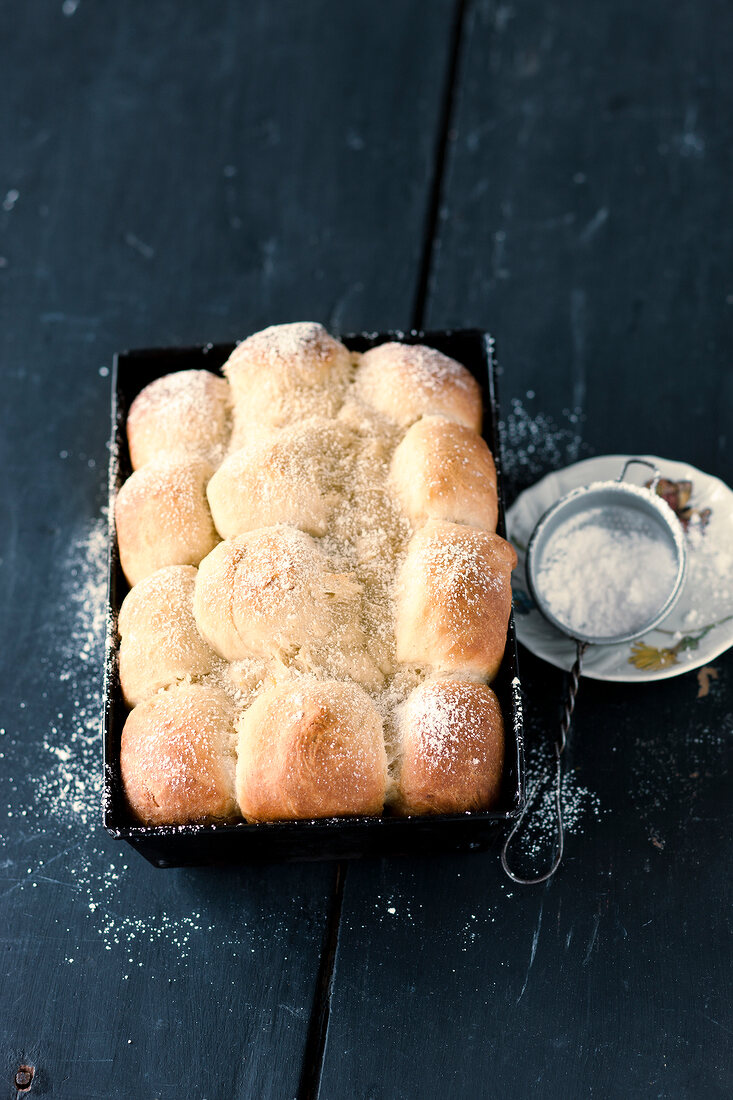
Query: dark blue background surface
[{"x": 177, "y": 173}]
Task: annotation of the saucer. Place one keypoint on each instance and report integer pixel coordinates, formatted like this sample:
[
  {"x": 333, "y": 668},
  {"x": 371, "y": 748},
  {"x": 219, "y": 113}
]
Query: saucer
[{"x": 700, "y": 625}]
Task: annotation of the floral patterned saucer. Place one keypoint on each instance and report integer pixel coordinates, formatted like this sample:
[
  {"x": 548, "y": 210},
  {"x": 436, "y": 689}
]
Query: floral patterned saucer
[{"x": 700, "y": 625}]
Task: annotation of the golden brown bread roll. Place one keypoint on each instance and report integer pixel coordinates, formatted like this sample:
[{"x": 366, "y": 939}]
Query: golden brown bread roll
[
  {"x": 187, "y": 412},
  {"x": 444, "y": 470},
  {"x": 284, "y": 374},
  {"x": 452, "y": 748},
  {"x": 453, "y": 599},
  {"x": 159, "y": 640},
  {"x": 358, "y": 556},
  {"x": 407, "y": 381},
  {"x": 295, "y": 477},
  {"x": 311, "y": 748},
  {"x": 163, "y": 518},
  {"x": 178, "y": 757},
  {"x": 270, "y": 593}
]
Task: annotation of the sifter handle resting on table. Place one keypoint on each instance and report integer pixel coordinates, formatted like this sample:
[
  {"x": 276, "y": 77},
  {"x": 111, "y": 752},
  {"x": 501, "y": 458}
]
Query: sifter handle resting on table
[{"x": 572, "y": 692}]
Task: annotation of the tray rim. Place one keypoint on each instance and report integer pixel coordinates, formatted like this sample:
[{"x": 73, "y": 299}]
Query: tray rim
[{"x": 139, "y": 835}]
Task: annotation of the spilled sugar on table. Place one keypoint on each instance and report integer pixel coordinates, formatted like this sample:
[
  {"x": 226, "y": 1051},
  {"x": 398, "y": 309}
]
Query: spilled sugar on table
[{"x": 176, "y": 175}]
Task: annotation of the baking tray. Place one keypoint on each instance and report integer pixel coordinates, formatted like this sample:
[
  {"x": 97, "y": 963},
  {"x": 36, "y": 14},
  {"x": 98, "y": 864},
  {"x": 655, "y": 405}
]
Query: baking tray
[{"x": 329, "y": 838}]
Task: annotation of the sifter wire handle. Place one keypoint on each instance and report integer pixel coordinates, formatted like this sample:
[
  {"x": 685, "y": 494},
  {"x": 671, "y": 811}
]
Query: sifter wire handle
[
  {"x": 641, "y": 462},
  {"x": 572, "y": 691}
]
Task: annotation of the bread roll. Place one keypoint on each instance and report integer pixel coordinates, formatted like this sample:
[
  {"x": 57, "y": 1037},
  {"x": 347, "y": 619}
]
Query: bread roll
[
  {"x": 163, "y": 517},
  {"x": 443, "y": 470},
  {"x": 159, "y": 639},
  {"x": 186, "y": 412},
  {"x": 452, "y": 748},
  {"x": 270, "y": 592},
  {"x": 357, "y": 503},
  {"x": 284, "y": 374},
  {"x": 453, "y": 599},
  {"x": 311, "y": 748},
  {"x": 178, "y": 757},
  {"x": 407, "y": 381},
  {"x": 295, "y": 477}
]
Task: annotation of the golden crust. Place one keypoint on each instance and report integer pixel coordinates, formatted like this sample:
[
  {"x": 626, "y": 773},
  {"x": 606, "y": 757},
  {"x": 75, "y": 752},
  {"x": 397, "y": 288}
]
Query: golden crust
[
  {"x": 187, "y": 412},
  {"x": 292, "y": 477},
  {"x": 269, "y": 593},
  {"x": 163, "y": 518},
  {"x": 452, "y": 748},
  {"x": 159, "y": 640},
  {"x": 407, "y": 381},
  {"x": 357, "y": 504},
  {"x": 444, "y": 470},
  {"x": 284, "y": 374},
  {"x": 309, "y": 749},
  {"x": 178, "y": 757},
  {"x": 453, "y": 599}
]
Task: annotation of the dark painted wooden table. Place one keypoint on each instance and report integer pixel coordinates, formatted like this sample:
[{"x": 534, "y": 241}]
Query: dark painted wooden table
[{"x": 184, "y": 172}]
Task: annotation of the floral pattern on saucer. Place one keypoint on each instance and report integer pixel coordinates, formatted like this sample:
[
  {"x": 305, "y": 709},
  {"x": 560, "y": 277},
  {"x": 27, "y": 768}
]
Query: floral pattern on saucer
[{"x": 700, "y": 625}]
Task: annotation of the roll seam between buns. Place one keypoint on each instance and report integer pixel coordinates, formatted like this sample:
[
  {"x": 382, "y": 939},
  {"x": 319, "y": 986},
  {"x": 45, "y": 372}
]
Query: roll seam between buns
[{"x": 360, "y": 636}]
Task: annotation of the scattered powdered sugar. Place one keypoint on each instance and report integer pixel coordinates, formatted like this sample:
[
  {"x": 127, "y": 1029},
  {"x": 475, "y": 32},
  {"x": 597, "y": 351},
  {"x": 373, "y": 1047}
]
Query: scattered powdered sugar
[
  {"x": 709, "y": 574},
  {"x": 606, "y": 571},
  {"x": 64, "y": 818},
  {"x": 534, "y": 842},
  {"x": 677, "y": 774},
  {"x": 68, "y": 792},
  {"x": 533, "y": 444}
]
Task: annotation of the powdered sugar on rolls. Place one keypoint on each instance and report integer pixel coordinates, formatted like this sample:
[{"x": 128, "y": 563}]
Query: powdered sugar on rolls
[
  {"x": 452, "y": 743},
  {"x": 285, "y": 374},
  {"x": 443, "y": 470},
  {"x": 294, "y": 476},
  {"x": 407, "y": 381},
  {"x": 358, "y": 601},
  {"x": 163, "y": 518},
  {"x": 159, "y": 640},
  {"x": 187, "y": 412},
  {"x": 454, "y": 599}
]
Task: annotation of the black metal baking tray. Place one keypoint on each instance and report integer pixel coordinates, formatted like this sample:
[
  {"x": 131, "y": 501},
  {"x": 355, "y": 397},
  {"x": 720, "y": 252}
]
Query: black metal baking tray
[{"x": 331, "y": 838}]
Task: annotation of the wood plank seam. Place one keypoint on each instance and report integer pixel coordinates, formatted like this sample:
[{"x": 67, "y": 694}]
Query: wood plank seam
[
  {"x": 315, "y": 1046},
  {"x": 441, "y": 148}
]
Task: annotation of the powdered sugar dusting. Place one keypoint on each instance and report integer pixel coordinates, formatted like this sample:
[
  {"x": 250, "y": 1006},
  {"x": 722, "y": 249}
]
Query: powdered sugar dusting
[
  {"x": 430, "y": 368},
  {"x": 186, "y": 411},
  {"x": 537, "y": 835},
  {"x": 461, "y": 569},
  {"x": 533, "y": 444},
  {"x": 62, "y": 824},
  {"x": 449, "y": 718},
  {"x": 285, "y": 342},
  {"x": 66, "y": 791},
  {"x": 607, "y": 571}
]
